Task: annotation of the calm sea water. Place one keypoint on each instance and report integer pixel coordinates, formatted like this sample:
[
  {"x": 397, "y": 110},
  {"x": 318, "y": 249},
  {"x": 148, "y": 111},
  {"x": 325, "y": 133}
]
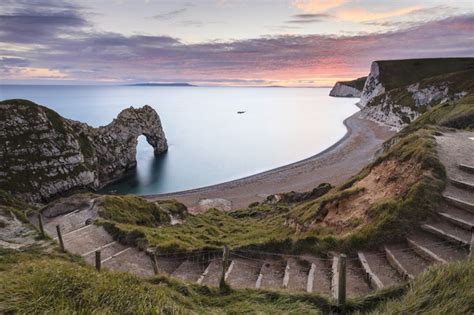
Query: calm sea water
[{"x": 209, "y": 142}]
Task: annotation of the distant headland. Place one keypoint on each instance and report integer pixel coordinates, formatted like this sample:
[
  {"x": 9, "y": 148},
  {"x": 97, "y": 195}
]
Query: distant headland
[{"x": 161, "y": 84}]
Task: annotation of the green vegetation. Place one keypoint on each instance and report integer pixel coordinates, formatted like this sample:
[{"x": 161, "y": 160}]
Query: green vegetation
[
  {"x": 211, "y": 229},
  {"x": 399, "y": 73},
  {"x": 133, "y": 210},
  {"x": 32, "y": 282},
  {"x": 442, "y": 289},
  {"x": 15, "y": 205},
  {"x": 455, "y": 114},
  {"x": 357, "y": 83}
]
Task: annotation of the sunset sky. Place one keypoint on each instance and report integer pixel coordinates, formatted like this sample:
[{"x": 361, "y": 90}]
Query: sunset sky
[{"x": 219, "y": 42}]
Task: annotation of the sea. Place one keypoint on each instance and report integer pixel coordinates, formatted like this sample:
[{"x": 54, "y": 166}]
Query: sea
[{"x": 215, "y": 134}]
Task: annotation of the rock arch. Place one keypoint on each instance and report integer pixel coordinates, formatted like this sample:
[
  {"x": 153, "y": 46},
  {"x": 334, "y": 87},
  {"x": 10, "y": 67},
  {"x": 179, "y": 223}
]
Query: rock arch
[{"x": 118, "y": 141}]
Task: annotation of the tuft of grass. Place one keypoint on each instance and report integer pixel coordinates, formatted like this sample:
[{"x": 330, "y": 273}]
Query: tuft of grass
[
  {"x": 136, "y": 210},
  {"x": 211, "y": 229},
  {"x": 442, "y": 289}
]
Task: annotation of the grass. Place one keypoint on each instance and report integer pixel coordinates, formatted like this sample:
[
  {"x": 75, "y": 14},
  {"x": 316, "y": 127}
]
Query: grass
[
  {"x": 442, "y": 289},
  {"x": 134, "y": 210},
  {"x": 455, "y": 114},
  {"x": 212, "y": 229},
  {"x": 399, "y": 73},
  {"x": 357, "y": 83},
  {"x": 32, "y": 282},
  {"x": 37, "y": 284}
]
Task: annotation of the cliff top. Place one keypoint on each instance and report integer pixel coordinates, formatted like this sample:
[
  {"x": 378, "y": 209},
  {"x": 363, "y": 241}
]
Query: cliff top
[
  {"x": 356, "y": 83},
  {"x": 398, "y": 73}
]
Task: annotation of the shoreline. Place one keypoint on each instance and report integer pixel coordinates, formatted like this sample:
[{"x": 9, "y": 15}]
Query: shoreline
[{"x": 335, "y": 164}]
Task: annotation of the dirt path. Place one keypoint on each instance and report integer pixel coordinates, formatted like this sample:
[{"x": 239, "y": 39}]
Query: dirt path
[{"x": 334, "y": 165}]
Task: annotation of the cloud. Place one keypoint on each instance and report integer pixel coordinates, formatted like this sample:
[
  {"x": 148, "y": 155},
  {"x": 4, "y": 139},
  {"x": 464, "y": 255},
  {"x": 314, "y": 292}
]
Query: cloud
[
  {"x": 31, "y": 73},
  {"x": 169, "y": 15},
  {"x": 22, "y": 22},
  {"x": 308, "y": 18},
  {"x": 8, "y": 61},
  {"x": 96, "y": 56},
  {"x": 317, "y": 6},
  {"x": 362, "y": 15}
]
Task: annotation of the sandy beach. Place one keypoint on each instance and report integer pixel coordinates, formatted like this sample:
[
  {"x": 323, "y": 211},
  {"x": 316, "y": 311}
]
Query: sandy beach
[{"x": 334, "y": 165}]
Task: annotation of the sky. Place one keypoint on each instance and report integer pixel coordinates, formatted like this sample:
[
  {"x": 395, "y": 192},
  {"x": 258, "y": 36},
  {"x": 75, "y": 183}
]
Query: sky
[{"x": 223, "y": 42}]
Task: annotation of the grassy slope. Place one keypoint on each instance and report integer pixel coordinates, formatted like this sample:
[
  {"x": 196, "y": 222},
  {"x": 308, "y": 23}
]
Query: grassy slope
[
  {"x": 357, "y": 83},
  {"x": 212, "y": 229},
  {"x": 398, "y": 73},
  {"x": 35, "y": 283}
]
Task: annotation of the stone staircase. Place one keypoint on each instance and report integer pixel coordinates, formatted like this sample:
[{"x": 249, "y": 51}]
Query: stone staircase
[{"x": 444, "y": 238}]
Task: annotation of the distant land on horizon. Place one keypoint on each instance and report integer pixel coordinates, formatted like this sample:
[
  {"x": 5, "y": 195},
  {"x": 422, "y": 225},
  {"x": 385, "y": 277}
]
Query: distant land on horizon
[{"x": 160, "y": 84}]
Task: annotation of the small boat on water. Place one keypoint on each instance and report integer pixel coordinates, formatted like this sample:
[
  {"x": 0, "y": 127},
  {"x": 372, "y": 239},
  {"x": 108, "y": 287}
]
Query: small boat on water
[{"x": 241, "y": 112}]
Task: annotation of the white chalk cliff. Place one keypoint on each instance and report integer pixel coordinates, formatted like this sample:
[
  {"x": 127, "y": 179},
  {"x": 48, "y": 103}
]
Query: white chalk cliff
[
  {"x": 342, "y": 90},
  {"x": 397, "y": 106}
]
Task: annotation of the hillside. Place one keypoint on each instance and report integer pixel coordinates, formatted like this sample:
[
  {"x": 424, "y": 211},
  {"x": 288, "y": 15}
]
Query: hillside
[
  {"x": 398, "y": 91},
  {"x": 351, "y": 88},
  {"x": 46, "y": 155}
]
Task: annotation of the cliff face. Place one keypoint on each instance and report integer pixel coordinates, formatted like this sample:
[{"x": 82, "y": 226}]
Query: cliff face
[
  {"x": 43, "y": 154},
  {"x": 398, "y": 91},
  {"x": 348, "y": 88}
]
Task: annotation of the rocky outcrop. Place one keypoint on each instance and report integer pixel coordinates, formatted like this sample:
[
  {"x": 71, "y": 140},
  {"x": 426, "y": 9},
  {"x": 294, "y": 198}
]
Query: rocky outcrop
[
  {"x": 348, "y": 88},
  {"x": 44, "y": 154},
  {"x": 398, "y": 91}
]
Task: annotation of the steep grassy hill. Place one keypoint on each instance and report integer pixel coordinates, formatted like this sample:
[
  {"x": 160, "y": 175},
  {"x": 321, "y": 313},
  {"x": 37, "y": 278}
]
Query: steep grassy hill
[{"x": 399, "y": 73}]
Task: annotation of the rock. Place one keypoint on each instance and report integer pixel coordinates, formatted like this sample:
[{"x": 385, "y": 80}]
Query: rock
[
  {"x": 45, "y": 155},
  {"x": 216, "y": 203},
  {"x": 294, "y": 196}
]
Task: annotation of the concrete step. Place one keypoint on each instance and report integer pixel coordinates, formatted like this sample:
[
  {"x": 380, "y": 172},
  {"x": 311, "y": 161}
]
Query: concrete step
[
  {"x": 380, "y": 274},
  {"x": 403, "y": 259},
  {"x": 212, "y": 273},
  {"x": 106, "y": 251},
  {"x": 297, "y": 274},
  {"x": 466, "y": 168},
  {"x": 271, "y": 274},
  {"x": 459, "y": 203},
  {"x": 458, "y": 217},
  {"x": 190, "y": 270},
  {"x": 459, "y": 197},
  {"x": 131, "y": 260},
  {"x": 434, "y": 248},
  {"x": 356, "y": 284},
  {"x": 86, "y": 239},
  {"x": 168, "y": 265},
  {"x": 463, "y": 184},
  {"x": 243, "y": 273},
  {"x": 448, "y": 231},
  {"x": 319, "y": 275}
]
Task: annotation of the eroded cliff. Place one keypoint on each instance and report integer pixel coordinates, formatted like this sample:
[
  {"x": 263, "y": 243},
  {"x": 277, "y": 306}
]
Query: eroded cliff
[
  {"x": 398, "y": 91},
  {"x": 43, "y": 154}
]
